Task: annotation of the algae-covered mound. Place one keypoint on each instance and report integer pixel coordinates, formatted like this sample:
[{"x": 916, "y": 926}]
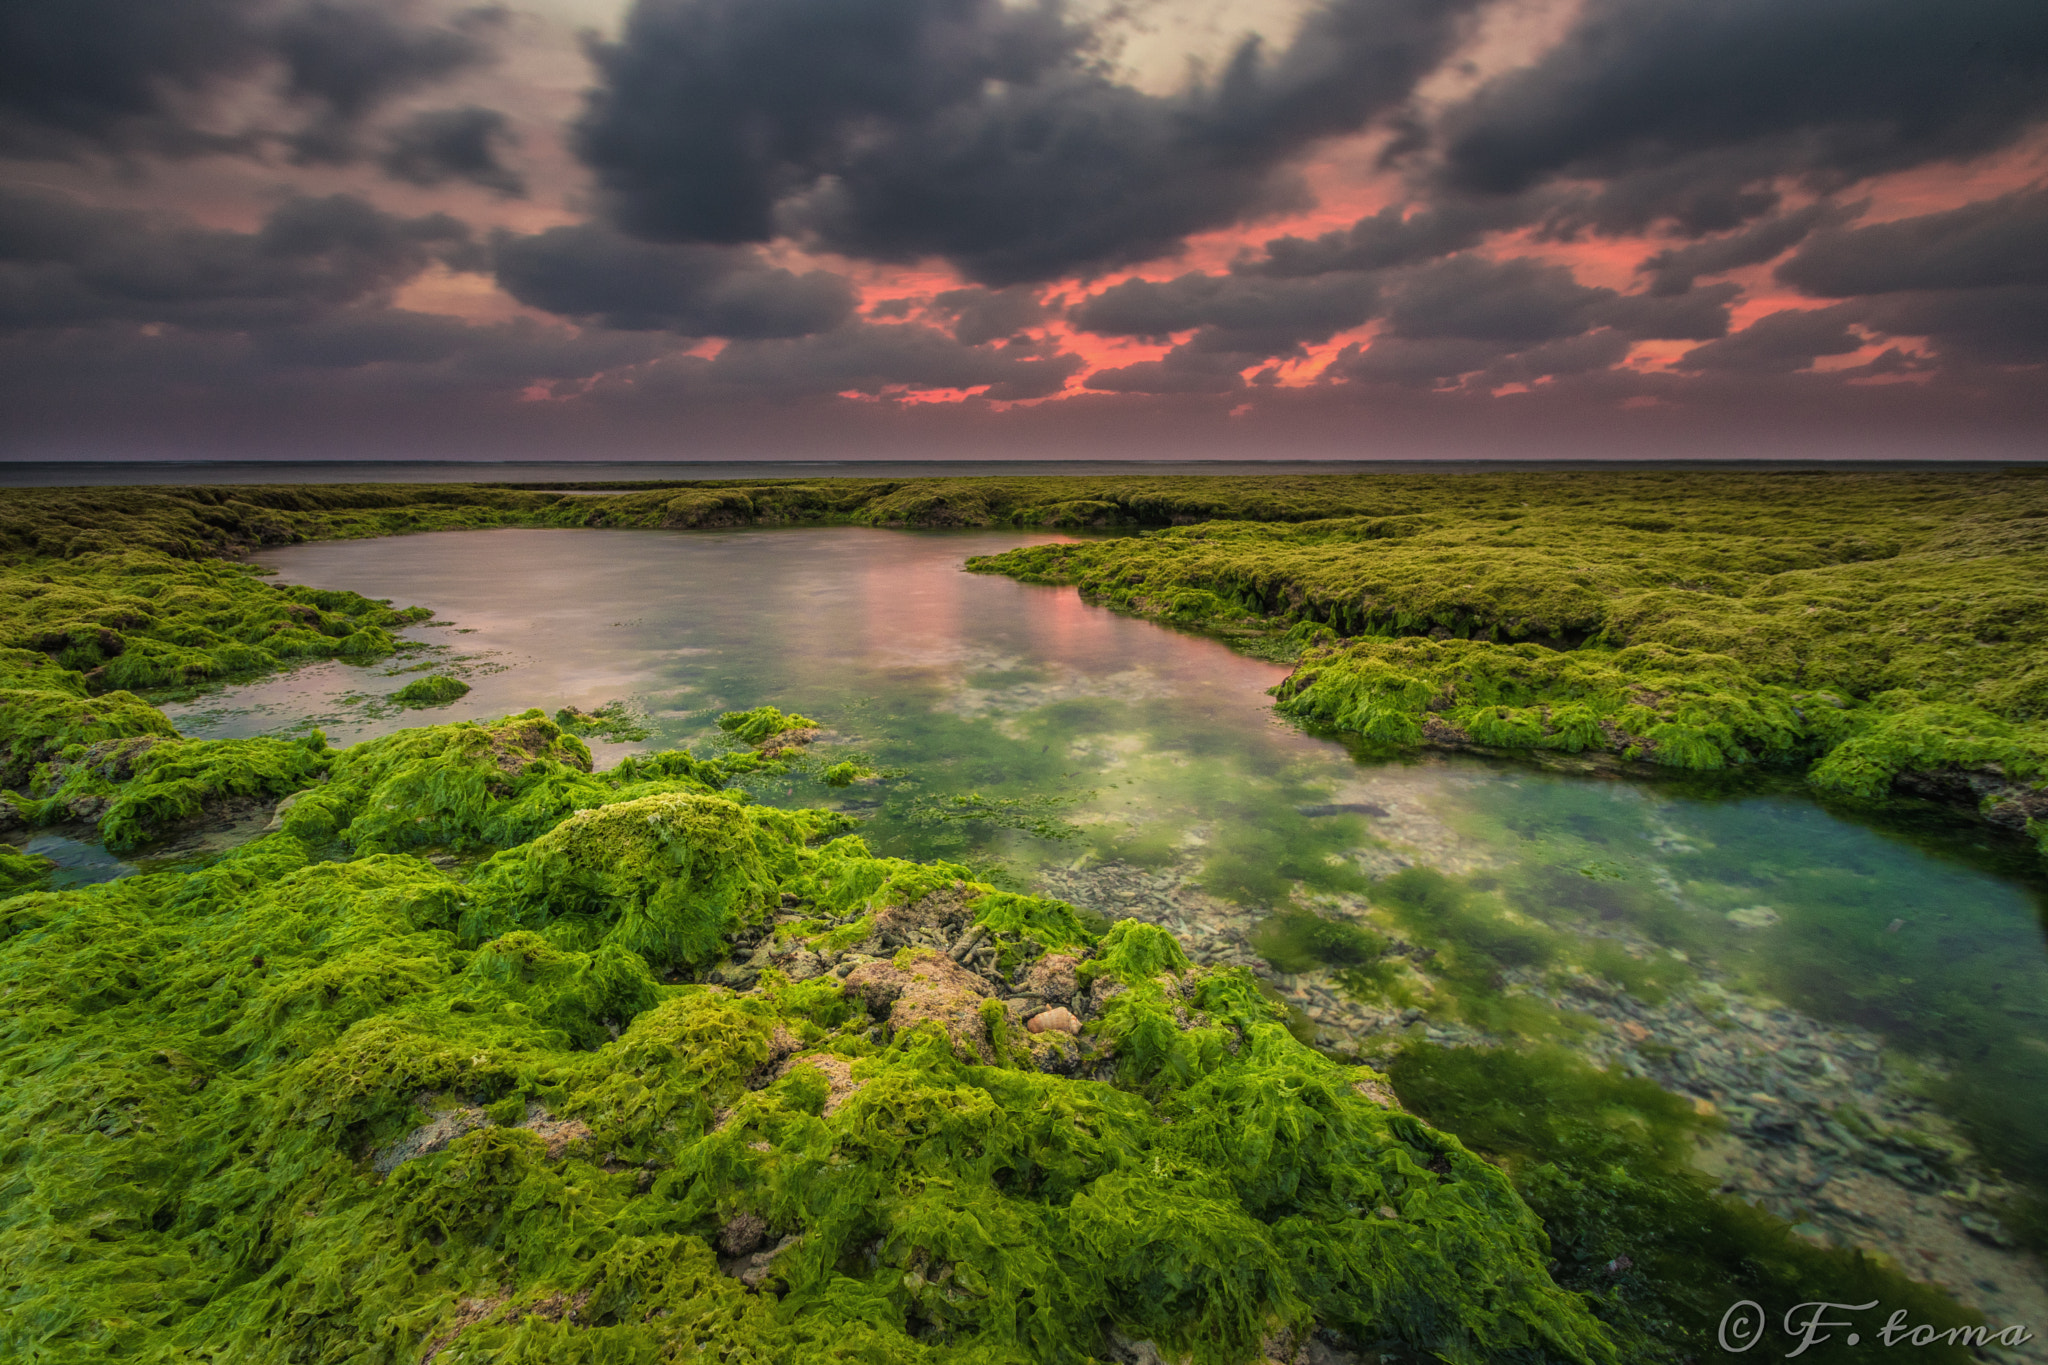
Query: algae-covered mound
[
  {"x": 671, "y": 1075},
  {"x": 1888, "y": 630},
  {"x": 763, "y": 724},
  {"x": 135, "y": 620},
  {"x": 19, "y": 870},
  {"x": 436, "y": 689}
]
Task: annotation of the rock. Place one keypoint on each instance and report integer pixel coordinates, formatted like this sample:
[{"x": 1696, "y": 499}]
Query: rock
[
  {"x": 743, "y": 1235},
  {"x": 279, "y": 811},
  {"x": 1058, "y": 1018},
  {"x": 928, "y": 986},
  {"x": 752, "y": 1270},
  {"x": 1051, "y": 977},
  {"x": 838, "y": 1074},
  {"x": 430, "y": 1137}
]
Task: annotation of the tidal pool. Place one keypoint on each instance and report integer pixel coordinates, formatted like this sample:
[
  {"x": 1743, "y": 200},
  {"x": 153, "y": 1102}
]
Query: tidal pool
[{"x": 1857, "y": 996}]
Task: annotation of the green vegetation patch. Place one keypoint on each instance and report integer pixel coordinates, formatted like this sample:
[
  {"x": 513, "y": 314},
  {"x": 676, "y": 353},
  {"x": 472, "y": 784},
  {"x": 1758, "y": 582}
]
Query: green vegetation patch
[
  {"x": 324, "y": 1098},
  {"x": 1602, "y": 1158},
  {"x": 762, "y": 724},
  {"x": 1882, "y": 630},
  {"x": 436, "y": 689}
]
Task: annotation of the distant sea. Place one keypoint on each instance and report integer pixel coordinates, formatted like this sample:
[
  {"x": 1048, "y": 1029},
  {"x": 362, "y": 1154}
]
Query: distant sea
[{"x": 565, "y": 473}]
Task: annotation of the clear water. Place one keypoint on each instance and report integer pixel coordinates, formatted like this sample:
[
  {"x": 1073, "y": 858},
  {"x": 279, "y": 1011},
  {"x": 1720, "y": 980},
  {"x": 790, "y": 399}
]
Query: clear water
[{"x": 1780, "y": 959}]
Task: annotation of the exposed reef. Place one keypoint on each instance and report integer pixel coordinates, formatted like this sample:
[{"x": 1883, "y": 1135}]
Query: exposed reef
[
  {"x": 1888, "y": 632},
  {"x": 1884, "y": 632},
  {"x": 481, "y": 1054}
]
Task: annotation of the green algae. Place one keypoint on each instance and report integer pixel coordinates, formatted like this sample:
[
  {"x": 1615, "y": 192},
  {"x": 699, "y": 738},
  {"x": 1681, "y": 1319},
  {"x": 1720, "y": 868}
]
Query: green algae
[
  {"x": 1881, "y": 631},
  {"x": 291, "y": 1107},
  {"x": 437, "y": 689},
  {"x": 1602, "y": 1158},
  {"x": 19, "y": 870},
  {"x": 615, "y": 722},
  {"x": 138, "y": 620},
  {"x": 762, "y": 724},
  {"x": 1874, "y": 628}
]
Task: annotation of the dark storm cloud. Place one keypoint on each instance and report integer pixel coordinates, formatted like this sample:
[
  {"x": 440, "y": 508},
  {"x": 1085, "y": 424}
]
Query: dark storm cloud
[
  {"x": 1396, "y": 360},
  {"x": 1790, "y": 339},
  {"x": 1699, "y": 315},
  {"x": 870, "y": 358},
  {"x": 1988, "y": 326},
  {"x": 344, "y": 59},
  {"x": 968, "y": 130},
  {"x": 1582, "y": 354},
  {"x": 594, "y": 273},
  {"x": 510, "y": 353},
  {"x": 1836, "y": 89},
  {"x": 981, "y": 315},
  {"x": 441, "y": 145},
  {"x": 1236, "y": 313},
  {"x": 63, "y": 264},
  {"x": 126, "y": 76},
  {"x": 1992, "y": 243},
  {"x": 1399, "y": 361},
  {"x": 1392, "y": 237},
  {"x": 1519, "y": 300},
  {"x": 1672, "y": 271},
  {"x": 1184, "y": 369},
  {"x": 1450, "y": 317}
]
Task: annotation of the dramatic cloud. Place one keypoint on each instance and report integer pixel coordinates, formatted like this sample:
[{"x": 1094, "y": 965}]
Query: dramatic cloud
[
  {"x": 1985, "y": 245},
  {"x": 1181, "y": 370},
  {"x": 1988, "y": 326},
  {"x": 869, "y": 358},
  {"x": 127, "y": 76},
  {"x": 63, "y": 264},
  {"x": 1520, "y": 300},
  {"x": 1391, "y": 237},
  {"x": 969, "y": 130},
  {"x": 1973, "y": 280},
  {"x": 1673, "y": 270},
  {"x": 441, "y": 145},
  {"x": 784, "y": 226},
  {"x": 1708, "y": 96},
  {"x": 981, "y": 315},
  {"x": 1235, "y": 313},
  {"x": 596, "y": 274},
  {"x": 1790, "y": 339}
]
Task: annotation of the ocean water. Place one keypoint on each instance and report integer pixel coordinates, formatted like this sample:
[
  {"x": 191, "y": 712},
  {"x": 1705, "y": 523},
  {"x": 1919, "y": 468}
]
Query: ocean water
[{"x": 542, "y": 474}]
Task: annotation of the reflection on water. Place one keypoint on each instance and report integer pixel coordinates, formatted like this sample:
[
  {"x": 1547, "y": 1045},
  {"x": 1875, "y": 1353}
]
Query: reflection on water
[{"x": 1860, "y": 1001}]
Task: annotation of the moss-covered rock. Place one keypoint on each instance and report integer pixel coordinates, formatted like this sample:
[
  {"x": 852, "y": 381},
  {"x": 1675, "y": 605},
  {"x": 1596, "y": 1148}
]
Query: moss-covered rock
[
  {"x": 500, "y": 1118},
  {"x": 1889, "y": 631},
  {"x": 436, "y": 689},
  {"x": 763, "y": 724}
]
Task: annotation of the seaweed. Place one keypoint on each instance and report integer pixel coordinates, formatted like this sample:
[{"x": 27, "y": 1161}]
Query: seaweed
[
  {"x": 436, "y": 689},
  {"x": 20, "y": 871},
  {"x": 287, "y": 1107},
  {"x": 1601, "y": 1158},
  {"x": 1881, "y": 632},
  {"x": 615, "y": 721},
  {"x": 762, "y": 724},
  {"x": 141, "y": 621}
]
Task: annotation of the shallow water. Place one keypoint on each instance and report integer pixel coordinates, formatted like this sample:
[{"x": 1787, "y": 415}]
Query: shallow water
[{"x": 1859, "y": 994}]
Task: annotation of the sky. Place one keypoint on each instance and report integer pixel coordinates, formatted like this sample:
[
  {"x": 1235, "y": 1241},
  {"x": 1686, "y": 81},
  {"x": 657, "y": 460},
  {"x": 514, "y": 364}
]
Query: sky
[{"x": 959, "y": 229}]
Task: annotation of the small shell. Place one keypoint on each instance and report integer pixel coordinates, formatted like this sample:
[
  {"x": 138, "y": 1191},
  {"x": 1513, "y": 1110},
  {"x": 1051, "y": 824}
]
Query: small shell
[{"x": 1060, "y": 1018}]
